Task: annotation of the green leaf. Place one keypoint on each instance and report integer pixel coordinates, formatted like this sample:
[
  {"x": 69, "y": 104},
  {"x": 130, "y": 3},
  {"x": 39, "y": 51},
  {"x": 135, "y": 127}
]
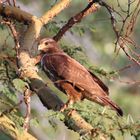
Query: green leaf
[
  {"x": 34, "y": 122},
  {"x": 92, "y": 29},
  {"x": 9, "y": 94},
  {"x": 55, "y": 114},
  {"x": 19, "y": 84}
]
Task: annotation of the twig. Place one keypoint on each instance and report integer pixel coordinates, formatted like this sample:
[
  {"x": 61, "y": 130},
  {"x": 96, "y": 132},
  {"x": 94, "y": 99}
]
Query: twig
[
  {"x": 15, "y": 37},
  {"x": 134, "y": 17},
  {"x": 132, "y": 82},
  {"x": 123, "y": 35},
  {"x": 92, "y": 7},
  {"x": 27, "y": 99},
  {"x": 11, "y": 109},
  {"x": 16, "y": 40}
]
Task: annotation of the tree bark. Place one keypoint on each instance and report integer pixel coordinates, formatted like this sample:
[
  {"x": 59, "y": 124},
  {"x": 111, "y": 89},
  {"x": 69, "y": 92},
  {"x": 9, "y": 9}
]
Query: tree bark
[{"x": 9, "y": 128}]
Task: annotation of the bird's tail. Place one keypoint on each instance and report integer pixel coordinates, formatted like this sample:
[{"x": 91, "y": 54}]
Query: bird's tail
[{"x": 107, "y": 101}]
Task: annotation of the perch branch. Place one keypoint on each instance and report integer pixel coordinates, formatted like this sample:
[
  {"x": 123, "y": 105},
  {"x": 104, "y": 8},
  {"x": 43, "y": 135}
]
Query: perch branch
[{"x": 78, "y": 122}]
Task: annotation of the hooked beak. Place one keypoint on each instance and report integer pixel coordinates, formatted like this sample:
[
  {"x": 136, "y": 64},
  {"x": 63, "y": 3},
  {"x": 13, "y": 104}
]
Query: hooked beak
[{"x": 42, "y": 47}]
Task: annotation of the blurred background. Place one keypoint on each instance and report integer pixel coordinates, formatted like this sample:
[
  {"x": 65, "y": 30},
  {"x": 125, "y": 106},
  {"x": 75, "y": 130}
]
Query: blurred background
[{"x": 91, "y": 42}]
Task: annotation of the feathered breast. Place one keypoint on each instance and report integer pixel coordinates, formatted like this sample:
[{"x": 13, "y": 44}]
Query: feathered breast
[{"x": 69, "y": 69}]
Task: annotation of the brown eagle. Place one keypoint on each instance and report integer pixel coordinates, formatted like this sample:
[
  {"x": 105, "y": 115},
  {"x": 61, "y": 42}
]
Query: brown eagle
[{"x": 72, "y": 78}]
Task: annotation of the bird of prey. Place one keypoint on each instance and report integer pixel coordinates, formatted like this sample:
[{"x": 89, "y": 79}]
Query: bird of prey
[{"x": 72, "y": 78}]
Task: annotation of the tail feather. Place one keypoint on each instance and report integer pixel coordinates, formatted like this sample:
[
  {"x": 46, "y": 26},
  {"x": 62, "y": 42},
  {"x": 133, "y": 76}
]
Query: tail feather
[{"x": 107, "y": 101}]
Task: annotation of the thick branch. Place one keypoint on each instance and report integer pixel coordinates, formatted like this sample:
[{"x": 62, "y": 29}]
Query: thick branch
[
  {"x": 49, "y": 15},
  {"x": 47, "y": 97},
  {"x": 9, "y": 128},
  {"x": 92, "y": 7},
  {"x": 15, "y": 13},
  {"x": 78, "y": 123}
]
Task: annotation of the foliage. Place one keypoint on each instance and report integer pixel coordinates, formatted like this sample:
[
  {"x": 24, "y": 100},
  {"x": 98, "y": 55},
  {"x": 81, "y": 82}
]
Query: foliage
[
  {"x": 106, "y": 123},
  {"x": 8, "y": 93},
  {"x": 7, "y": 74},
  {"x": 19, "y": 84},
  {"x": 52, "y": 28}
]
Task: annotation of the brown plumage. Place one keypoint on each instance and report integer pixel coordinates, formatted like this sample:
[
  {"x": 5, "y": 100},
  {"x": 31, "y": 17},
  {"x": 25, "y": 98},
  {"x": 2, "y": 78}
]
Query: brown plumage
[{"x": 73, "y": 78}]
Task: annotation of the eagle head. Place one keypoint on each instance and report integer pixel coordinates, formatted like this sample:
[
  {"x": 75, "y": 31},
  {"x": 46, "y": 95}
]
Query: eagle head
[{"x": 48, "y": 45}]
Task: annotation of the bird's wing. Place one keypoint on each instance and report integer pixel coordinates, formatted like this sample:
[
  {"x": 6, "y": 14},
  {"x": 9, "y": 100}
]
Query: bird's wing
[
  {"x": 102, "y": 85},
  {"x": 71, "y": 70}
]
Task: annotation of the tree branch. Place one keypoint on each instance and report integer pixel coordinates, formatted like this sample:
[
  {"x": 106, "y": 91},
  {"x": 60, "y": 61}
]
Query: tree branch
[
  {"x": 123, "y": 35},
  {"x": 10, "y": 129},
  {"x": 92, "y": 7},
  {"x": 55, "y": 10},
  {"x": 15, "y": 13}
]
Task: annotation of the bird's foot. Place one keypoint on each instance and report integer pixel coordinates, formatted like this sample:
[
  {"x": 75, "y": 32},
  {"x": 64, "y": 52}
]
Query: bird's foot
[
  {"x": 65, "y": 106},
  {"x": 62, "y": 109}
]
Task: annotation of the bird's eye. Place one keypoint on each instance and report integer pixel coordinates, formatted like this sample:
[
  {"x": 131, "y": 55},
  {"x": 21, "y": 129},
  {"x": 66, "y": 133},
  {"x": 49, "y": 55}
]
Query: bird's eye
[{"x": 46, "y": 43}]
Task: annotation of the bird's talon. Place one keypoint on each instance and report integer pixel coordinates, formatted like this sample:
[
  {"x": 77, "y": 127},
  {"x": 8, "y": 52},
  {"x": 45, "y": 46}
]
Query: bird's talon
[
  {"x": 63, "y": 108},
  {"x": 71, "y": 111}
]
